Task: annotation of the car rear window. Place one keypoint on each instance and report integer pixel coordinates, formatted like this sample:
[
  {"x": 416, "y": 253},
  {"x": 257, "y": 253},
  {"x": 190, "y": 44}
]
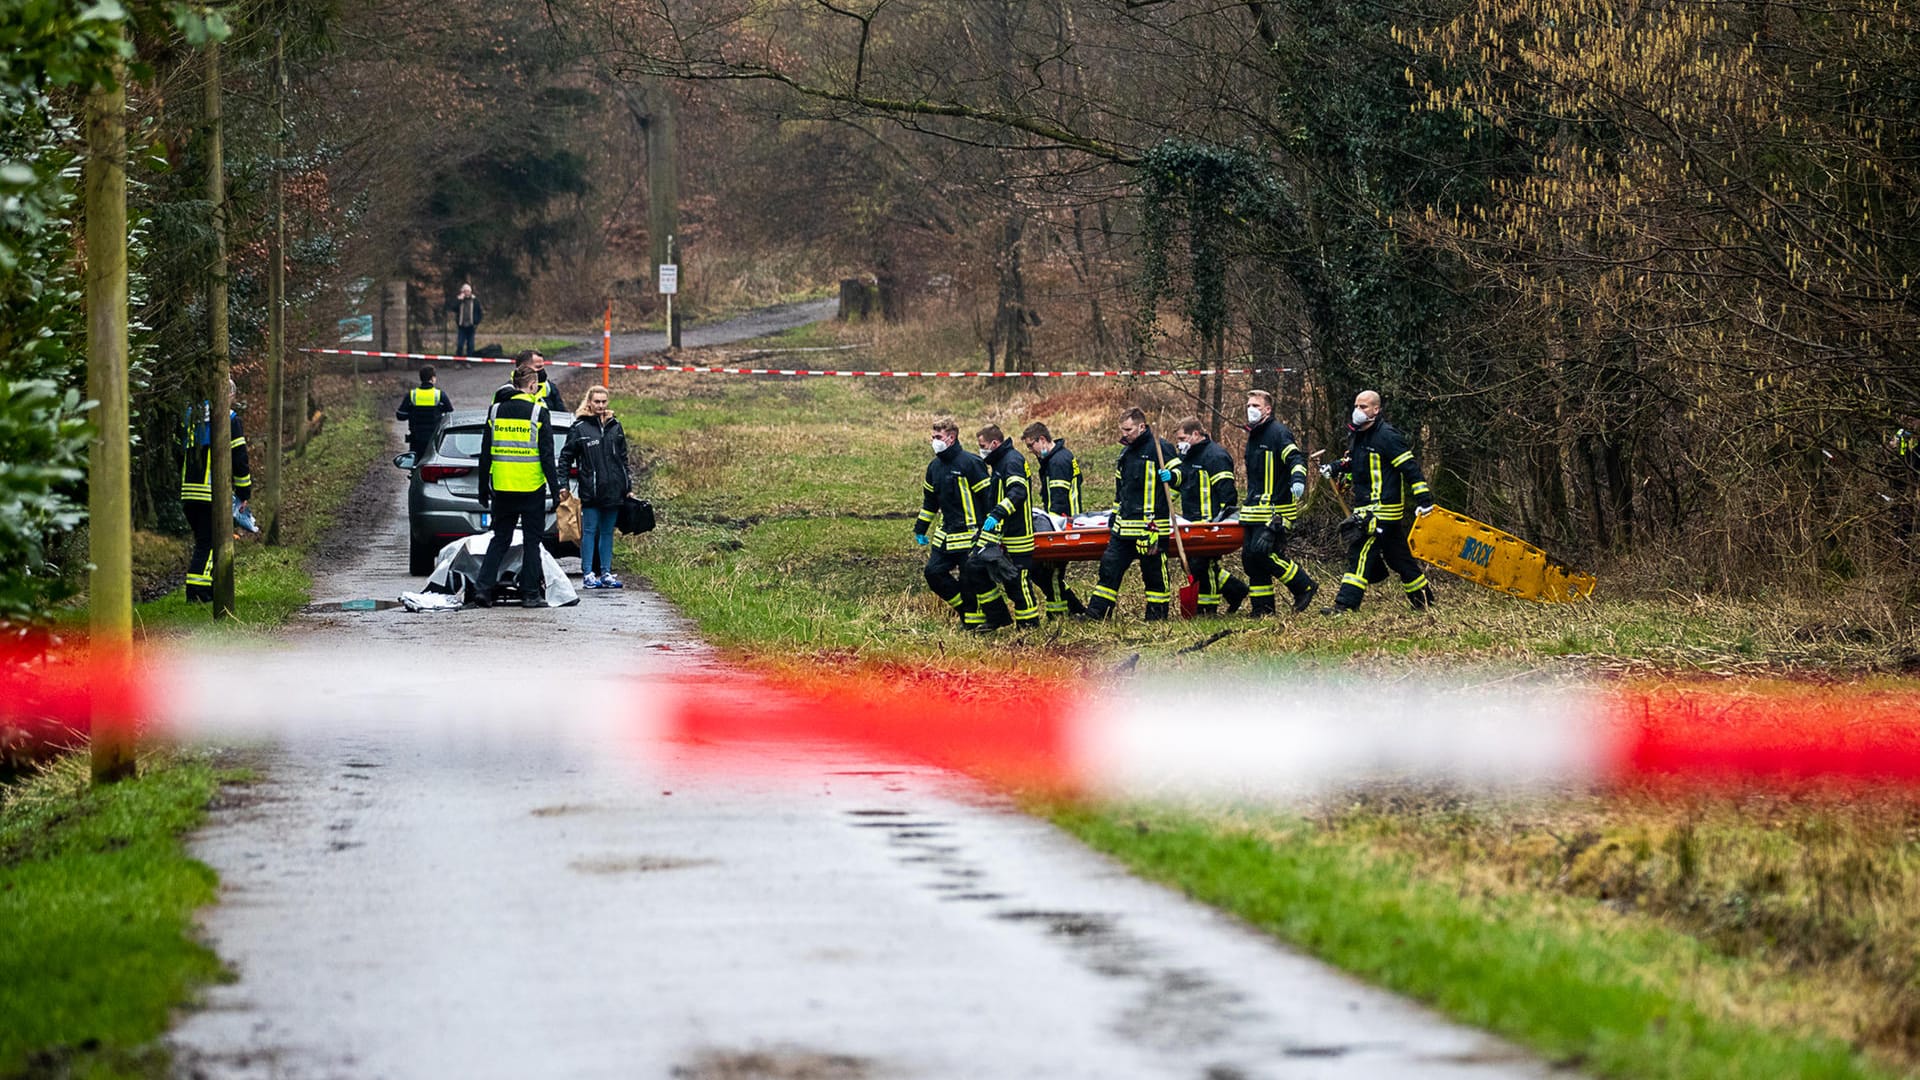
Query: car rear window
[{"x": 461, "y": 442}]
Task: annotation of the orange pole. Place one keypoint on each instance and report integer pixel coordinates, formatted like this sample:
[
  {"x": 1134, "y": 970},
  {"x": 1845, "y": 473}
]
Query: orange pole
[{"x": 606, "y": 349}]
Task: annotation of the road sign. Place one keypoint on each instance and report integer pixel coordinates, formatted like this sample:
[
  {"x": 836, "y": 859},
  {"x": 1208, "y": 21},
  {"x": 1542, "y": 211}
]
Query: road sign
[{"x": 669, "y": 279}]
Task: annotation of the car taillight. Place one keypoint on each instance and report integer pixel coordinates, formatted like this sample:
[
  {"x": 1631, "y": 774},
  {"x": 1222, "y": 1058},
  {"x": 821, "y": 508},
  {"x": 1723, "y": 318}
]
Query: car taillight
[{"x": 430, "y": 473}]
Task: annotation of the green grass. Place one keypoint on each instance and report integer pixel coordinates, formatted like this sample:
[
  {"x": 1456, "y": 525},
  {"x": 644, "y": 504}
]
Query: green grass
[
  {"x": 97, "y": 896},
  {"x": 1578, "y": 996}
]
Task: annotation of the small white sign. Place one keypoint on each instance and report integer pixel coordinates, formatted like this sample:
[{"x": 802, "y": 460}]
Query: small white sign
[{"x": 669, "y": 279}]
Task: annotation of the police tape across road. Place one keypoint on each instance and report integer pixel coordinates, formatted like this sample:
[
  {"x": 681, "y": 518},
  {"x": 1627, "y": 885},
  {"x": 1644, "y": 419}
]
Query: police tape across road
[
  {"x": 1263, "y": 734},
  {"x": 688, "y": 369}
]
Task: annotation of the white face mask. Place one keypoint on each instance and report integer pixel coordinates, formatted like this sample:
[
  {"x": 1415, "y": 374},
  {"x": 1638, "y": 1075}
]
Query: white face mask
[
  {"x": 939, "y": 446},
  {"x": 1253, "y": 414},
  {"x": 1360, "y": 416},
  {"x": 1184, "y": 446}
]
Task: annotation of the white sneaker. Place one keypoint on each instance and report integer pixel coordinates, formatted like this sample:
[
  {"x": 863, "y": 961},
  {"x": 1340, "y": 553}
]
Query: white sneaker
[
  {"x": 608, "y": 581},
  {"x": 591, "y": 581}
]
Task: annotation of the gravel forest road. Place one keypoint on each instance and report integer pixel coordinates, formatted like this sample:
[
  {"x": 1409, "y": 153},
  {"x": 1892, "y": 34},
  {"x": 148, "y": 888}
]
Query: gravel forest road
[{"x": 403, "y": 897}]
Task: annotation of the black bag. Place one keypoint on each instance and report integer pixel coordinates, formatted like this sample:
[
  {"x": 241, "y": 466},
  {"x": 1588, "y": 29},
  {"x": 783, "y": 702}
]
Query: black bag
[
  {"x": 636, "y": 516},
  {"x": 1354, "y": 526},
  {"x": 992, "y": 560}
]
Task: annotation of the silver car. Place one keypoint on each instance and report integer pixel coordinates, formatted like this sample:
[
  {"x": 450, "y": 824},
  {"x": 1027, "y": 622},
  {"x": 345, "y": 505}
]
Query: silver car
[{"x": 443, "y": 498}]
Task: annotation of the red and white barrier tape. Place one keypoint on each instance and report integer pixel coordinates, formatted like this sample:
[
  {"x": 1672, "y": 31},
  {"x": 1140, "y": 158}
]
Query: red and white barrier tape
[
  {"x": 688, "y": 369},
  {"x": 1245, "y": 734}
]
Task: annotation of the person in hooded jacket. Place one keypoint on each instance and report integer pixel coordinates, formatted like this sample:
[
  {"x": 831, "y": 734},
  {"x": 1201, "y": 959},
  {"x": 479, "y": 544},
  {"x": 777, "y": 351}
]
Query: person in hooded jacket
[{"x": 596, "y": 448}]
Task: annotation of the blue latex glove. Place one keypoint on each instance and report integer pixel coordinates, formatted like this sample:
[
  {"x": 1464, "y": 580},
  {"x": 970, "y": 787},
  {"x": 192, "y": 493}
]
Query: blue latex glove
[
  {"x": 1166, "y": 476},
  {"x": 1299, "y": 491},
  {"x": 921, "y": 539},
  {"x": 990, "y": 524}
]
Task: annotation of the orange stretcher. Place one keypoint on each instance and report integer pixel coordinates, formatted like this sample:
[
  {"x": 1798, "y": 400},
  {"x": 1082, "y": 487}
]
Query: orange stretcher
[{"x": 1084, "y": 544}]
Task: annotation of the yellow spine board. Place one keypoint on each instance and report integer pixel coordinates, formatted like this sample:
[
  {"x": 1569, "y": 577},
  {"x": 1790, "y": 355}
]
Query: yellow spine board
[{"x": 1501, "y": 561}]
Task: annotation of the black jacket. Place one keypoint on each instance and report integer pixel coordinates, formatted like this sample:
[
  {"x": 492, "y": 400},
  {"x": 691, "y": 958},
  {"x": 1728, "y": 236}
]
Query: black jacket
[
  {"x": 1206, "y": 481},
  {"x": 954, "y": 498},
  {"x": 1274, "y": 465},
  {"x": 1384, "y": 474},
  {"x": 466, "y": 312},
  {"x": 196, "y": 464},
  {"x": 600, "y": 453},
  {"x": 1056, "y": 476},
  {"x": 520, "y": 409},
  {"x": 423, "y": 419},
  {"x": 549, "y": 395},
  {"x": 1012, "y": 504},
  {"x": 1136, "y": 486}
]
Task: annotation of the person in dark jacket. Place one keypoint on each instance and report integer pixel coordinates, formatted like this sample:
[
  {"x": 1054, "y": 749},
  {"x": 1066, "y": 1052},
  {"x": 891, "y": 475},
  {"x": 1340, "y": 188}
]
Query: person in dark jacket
[
  {"x": 1276, "y": 486},
  {"x": 1207, "y": 493},
  {"x": 1053, "y": 476},
  {"x": 1010, "y": 522},
  {"x": 518, "y": 480},
  {"x": 1142, "y": 519},
  {"x": 467, "y": 314},
  {"x": 196, "y": 490},
  {"x": 597, "y": 447},
  {"x": 422, "y": 409},
  {"x": 1385, "y": 477},
  {"x": 547, "y": 393},
  {"x": 953, "y": 501}
]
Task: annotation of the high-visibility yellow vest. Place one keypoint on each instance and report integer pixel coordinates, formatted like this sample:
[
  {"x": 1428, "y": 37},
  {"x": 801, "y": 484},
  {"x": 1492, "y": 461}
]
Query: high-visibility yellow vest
[
  {"x": 540, "y": 391},
  {"x": 426, "y": 397},
  {"x": 516, "y": 450}
]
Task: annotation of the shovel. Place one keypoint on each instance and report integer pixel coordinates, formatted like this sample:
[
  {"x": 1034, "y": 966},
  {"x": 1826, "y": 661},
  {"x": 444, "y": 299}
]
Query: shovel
[{"x": 1190, "y": 592}]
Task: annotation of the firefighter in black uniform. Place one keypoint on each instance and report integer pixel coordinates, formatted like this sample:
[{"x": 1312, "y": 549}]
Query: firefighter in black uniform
[
  {"x": 196, "y": 490},
  {"x": 1053, "y": 474},
  {"x": 952, "y": 498},
  {"x": 518, "y": 479},
  {"x": 1141, "y": 519},
  {"x": 1276, "y": 484},
  {"x": 422, "y": 409},
  {"x": 1385, "y": 478},
  {"x": 1207, "y": 493},
  {"x": 1012, "y": 517}
]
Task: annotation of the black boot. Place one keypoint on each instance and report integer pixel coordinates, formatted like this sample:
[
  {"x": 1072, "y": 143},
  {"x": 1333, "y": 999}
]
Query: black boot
[
  {"x": 1260, "y": 607},
  {"x": 1234, "y": 592},
  {"x": 1157, "y": 611},
  {"x": 1097, "y": 611},
  {"x": 1423, "y": 600},
  {"x": 1304, "y": 588},
  {"x": 1074, "y": 605},
  {"x": 1207, "y": 609},
  {"x": 532, "y": 600}
]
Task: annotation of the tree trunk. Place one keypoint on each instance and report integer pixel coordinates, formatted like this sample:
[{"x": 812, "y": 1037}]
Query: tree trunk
[
  {"x": 110, "y": 529},
  {"x": 269, "y": 499},
  {"x": 1011, "y": 320},
  {"x": 220, "y": 399}
]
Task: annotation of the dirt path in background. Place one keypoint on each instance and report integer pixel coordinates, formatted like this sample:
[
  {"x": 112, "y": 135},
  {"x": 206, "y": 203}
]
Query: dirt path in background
[{"x": 402, "y": 896}]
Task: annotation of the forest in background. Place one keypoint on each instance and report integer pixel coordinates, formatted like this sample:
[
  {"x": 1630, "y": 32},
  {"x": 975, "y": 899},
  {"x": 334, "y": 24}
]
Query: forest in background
[{"x": 1635, "y": 276}]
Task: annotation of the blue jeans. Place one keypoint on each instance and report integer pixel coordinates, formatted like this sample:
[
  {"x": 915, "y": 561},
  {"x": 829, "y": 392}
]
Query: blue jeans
[
  {"x": 596, "y": 539},
  {"x": 463, "y": 341}
]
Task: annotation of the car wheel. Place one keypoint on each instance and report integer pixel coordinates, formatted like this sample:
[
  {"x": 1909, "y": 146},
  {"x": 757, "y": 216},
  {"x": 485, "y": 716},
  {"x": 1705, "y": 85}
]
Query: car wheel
[{"x": 420, "y": 556}]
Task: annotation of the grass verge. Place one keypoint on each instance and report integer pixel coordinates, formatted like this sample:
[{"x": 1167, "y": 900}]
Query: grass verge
[
  {"x": 1612, "y": 1003},
  {"x": 97, "y": 896}
]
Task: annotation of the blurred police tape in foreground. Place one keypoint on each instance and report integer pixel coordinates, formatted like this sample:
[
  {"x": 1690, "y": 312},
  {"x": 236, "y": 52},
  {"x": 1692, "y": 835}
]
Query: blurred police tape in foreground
[{"x": 1254, "y": 734}]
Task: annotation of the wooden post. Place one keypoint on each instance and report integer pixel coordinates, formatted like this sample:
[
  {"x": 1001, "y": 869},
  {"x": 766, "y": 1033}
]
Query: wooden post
[
  {"x": 109, "y": 487},
  {"x": 270, "y": 455},
  {"x": 218, "y": 396},
  {"x": 606, "y": 349}
]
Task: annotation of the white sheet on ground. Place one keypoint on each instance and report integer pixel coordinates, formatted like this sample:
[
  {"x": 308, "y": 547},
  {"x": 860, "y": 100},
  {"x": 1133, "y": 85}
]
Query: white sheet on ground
[{"x": 458, "y": 565}]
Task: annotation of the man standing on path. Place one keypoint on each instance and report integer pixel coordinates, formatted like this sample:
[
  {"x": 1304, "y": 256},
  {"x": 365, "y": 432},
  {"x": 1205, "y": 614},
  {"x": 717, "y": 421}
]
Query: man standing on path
[
  {"x": 1054, "y": 473},
  {"x": 196, "y": 489},
  {"x": 1385, "y": 477},
  {"x": 422, "y": 409},
  {"x": 951, "y": 499},
  {"x": 1141, "y": 519},
  {"x": 467, "y": 314},
  {"x": 1276, "y": 484},
  {"x": 517, "y": 478},
  {"x": 1207, "y": 492}
]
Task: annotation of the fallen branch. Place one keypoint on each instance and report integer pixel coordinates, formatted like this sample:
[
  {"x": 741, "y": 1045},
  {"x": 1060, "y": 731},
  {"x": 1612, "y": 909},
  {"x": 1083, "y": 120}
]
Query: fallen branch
[{"x": 1198, "y": 645}]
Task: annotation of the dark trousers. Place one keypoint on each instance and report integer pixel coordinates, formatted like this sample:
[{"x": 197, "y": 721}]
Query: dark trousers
[
  {"x": 528, "y": 511},
  {"x": 1051, "y": 579},
  {"x": 958, "y": 584},
  {"x": 200, "y": 563},
  {"x": 1376, "y": 551},
  {"x": 420, "y": 442},
  {"x": 1215, "y": 582},
  {"x": 1265, "y": 564},
  {"x": 462, "y": 341},
  {"x": 1021, "y": 595},
  {"x": 1122, "y": 552}
]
